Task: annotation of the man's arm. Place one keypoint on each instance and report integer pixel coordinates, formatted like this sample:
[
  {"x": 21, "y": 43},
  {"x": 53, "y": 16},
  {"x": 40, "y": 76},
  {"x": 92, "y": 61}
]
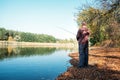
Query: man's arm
[{"x": 78, "y": 35}]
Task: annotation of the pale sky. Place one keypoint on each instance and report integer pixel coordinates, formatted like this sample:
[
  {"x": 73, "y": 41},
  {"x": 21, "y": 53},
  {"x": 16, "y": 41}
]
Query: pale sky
[{"x": 52, "y": 17}]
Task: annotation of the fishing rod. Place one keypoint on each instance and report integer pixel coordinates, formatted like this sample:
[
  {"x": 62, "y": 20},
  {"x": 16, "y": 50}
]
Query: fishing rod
[{"x": 66, "y": 31}]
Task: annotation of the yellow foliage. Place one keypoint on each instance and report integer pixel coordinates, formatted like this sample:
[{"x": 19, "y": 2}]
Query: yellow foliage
[{"x": 10, "y": 38}]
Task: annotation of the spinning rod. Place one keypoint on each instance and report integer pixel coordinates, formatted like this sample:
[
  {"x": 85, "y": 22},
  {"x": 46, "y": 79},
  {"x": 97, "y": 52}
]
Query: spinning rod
[{"x": 67, "y": 31}]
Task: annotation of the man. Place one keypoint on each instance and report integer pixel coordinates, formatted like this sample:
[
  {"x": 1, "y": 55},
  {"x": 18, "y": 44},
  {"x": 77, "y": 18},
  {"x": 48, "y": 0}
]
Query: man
[{"x": 82, "y": 38}]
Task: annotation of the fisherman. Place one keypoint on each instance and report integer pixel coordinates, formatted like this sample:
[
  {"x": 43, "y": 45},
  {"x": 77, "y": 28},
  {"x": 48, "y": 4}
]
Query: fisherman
[{"x": 82, "y": 38}]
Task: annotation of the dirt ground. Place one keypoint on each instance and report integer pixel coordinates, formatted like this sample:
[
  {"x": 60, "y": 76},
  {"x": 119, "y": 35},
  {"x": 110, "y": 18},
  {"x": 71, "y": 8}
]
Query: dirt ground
[{"x": 104, "y": 64}]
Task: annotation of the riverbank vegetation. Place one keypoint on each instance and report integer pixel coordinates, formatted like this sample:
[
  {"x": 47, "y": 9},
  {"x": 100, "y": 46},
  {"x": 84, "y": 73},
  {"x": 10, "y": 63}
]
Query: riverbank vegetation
[
  {"x": 11, "y": 35},
  {"x": 103, "y": 19}
]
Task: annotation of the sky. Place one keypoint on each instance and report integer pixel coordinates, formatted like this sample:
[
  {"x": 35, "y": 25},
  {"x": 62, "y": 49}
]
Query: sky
[{"x": 52, "y": 17}]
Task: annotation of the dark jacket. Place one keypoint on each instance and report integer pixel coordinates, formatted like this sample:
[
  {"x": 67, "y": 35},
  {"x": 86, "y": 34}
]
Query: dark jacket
[{"x": 82, "y": 35}]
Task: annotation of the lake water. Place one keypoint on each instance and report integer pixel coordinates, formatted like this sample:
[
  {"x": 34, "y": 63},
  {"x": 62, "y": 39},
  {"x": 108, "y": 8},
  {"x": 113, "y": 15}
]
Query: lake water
[{"x": 33, "y": 63}]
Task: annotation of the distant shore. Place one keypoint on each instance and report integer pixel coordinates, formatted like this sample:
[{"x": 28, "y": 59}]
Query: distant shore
[{"x": 36, "y": 44}]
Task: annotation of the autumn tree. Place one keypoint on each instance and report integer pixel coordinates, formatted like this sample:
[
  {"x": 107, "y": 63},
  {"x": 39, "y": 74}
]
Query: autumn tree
[{"x": 103, "y": 21}]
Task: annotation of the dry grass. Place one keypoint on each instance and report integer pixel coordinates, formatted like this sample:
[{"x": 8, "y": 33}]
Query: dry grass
[{"x": 104, "y": 64}]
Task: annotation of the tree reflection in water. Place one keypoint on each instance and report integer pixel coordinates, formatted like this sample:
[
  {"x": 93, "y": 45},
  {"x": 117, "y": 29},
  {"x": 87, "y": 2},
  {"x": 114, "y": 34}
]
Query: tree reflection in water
[{"x": 26, "y": 51}]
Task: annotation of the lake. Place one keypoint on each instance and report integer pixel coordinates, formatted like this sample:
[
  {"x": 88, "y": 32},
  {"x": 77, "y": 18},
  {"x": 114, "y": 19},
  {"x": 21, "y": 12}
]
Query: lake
[{"x": 33, "y": 63}]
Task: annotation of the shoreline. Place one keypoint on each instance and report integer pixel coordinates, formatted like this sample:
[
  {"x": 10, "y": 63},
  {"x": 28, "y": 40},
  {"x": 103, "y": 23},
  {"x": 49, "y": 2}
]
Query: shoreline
[
  {"x": 36, "y": 44},
  {"x": 103, "y": 65}
]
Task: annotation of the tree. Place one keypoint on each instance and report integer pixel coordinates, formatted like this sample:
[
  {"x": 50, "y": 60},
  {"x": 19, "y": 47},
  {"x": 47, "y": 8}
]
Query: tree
[{"x": 103, "y": 21}]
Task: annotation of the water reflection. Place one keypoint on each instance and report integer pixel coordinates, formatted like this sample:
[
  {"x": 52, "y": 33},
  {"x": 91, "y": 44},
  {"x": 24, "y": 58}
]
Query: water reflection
[
  {"x": 35, "y": 62},
  {"x": 18, "y": 51}
]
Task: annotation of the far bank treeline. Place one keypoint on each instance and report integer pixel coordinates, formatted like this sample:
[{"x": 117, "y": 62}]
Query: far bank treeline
[{"x": 10, "y": 35}]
